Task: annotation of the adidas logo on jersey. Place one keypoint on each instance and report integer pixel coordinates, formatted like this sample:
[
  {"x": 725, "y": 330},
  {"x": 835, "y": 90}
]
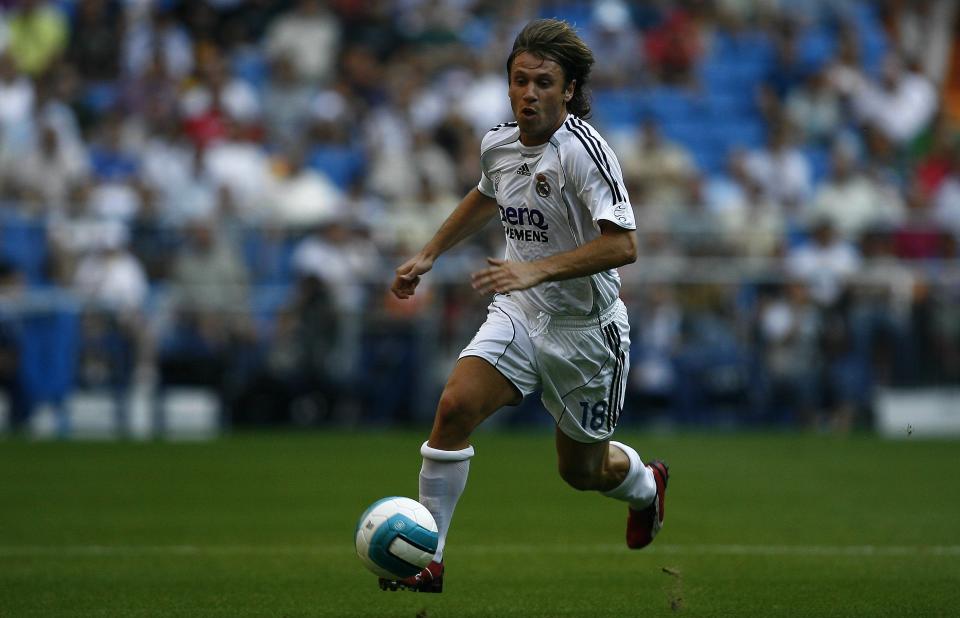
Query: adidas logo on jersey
[{"x": 523, "y": 170}]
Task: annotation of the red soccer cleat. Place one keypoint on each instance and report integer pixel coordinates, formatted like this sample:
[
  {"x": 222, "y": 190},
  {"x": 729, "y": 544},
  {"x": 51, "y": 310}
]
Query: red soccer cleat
[
  {"x": 429, "y": 579},
  {"x": 644, "y": 524}
]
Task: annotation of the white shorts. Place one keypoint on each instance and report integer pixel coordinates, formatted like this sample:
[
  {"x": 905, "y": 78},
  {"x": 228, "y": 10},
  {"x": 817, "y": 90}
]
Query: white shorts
[{"x": 580, "y": 363}]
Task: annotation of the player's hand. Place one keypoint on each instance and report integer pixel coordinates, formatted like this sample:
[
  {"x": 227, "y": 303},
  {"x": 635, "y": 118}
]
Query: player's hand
[
  {"x": 408, "y": 275},
  {"x": 505, "y": 276}
]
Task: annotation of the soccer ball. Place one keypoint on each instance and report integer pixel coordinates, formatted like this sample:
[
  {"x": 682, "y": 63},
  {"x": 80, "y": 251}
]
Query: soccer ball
[{"x": 396, "y": 537}]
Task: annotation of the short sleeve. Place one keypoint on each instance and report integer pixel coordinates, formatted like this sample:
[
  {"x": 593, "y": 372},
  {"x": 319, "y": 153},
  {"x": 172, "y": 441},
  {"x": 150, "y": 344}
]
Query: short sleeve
[
  {"x": 594, "y": 173},
  {"x": 485, "y": 185}
]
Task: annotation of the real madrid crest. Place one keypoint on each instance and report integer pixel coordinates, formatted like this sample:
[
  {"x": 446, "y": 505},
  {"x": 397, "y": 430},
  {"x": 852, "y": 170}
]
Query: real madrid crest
[{"x": 543, "y": 189}]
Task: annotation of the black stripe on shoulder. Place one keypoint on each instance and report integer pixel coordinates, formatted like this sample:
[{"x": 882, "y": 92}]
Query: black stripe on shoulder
[
  {"x": 591, "y": 135},
  {"x": 503, "y": 125},
  {"x": 500, "y": 144},
  {"x": 586, "y": 145}
]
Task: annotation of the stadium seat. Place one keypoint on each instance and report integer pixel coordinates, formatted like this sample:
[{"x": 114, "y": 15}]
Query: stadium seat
[
  {"x": 265, "y": 301},
  {"x": 578, "y": 13},
  {"x": 722, "y": 105},
  {"x": 745, "y": 132},
  {"x": 48, "y": 361},
  {"x": 819, "y": 159},
  {"x": 732, "y": 78},
  {"x": 618, "y": 108},
  {"x": 250, "y": 67},
  {"x": 23, "y": 241},
  {"x": 340, "y": 163},
  {"x": 690, "y": 132},
  {"x": 816, "y": 47},
  {"x": 101, "y": 97},
  {"x": 268, "y": 255},
  {"x": 670, "y": 104}
]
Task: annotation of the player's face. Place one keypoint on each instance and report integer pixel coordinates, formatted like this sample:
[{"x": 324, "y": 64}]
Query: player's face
[{"x": 538, "y": 96}]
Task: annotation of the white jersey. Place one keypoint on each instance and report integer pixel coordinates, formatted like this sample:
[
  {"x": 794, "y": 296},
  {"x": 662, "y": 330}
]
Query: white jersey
[{"x": 551, "y": 198}]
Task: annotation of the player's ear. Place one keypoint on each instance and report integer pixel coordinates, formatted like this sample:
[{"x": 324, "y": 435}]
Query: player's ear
[{"x": 569, "y": 90}]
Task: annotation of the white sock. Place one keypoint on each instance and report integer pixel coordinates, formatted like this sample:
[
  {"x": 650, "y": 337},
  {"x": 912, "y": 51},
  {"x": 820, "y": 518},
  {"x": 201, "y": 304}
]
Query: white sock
[
  {"x": 442, "y": 480},
  {"x": 639, "y": 487}
]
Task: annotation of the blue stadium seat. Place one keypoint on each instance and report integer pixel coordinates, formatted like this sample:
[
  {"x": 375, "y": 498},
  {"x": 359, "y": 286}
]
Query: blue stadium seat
[
  {"x": 746, "y": 132},
  {"x": 692, "y": 133},
  {"x": 724, "y": 77},
  {"x": 819, "y": 159},
  {"x": 723, "y": 106},
  {"x": 670, "y": 104},
  {"x": 49, "y": 355},
  {"x": 265, "y": 301},
  {"x": 268, "y": 255},
  {"x": 476, "y": 33},
  {"x": 251, "y": 67},
  {"x": 342, "y": 164},
  {"x": 816, "y": 46},
  {"x": 577, "y": 13},
  {"x": 751, "y": 44},
  {"x": 871, "y": 34},
  {"x": 23, "y": 241},
  {"x": 711, "y": 157},
  {"x": 101, "y": 97},
  {"x": 618, "y": 108}
]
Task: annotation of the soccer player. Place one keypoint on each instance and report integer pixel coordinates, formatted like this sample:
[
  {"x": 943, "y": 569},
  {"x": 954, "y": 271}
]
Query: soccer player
[{"x": 556, "y": 323}]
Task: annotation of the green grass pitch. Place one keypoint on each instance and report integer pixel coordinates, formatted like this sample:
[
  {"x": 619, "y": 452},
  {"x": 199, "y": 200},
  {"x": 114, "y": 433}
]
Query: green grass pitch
[{"x": 262, "y": 525}]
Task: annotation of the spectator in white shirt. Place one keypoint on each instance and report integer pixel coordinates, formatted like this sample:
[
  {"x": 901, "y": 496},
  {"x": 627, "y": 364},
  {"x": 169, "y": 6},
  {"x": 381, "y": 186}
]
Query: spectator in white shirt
[
  {"x": 781, "y": 168},
  {"x": 241, "y": 167},
  {"x": 310, "y": 37},
  {"x": 825, "y": 263},
  {"x": 16, "y": 106},
  {"x": 853, "y": 200},
  {"x": 50, "y": 174},
  {"x": 814, "y": 108},
  {"x": 302, "y": 197},
  {"x": 110, "y": 276},
  {"x": 900, "y": 105}
]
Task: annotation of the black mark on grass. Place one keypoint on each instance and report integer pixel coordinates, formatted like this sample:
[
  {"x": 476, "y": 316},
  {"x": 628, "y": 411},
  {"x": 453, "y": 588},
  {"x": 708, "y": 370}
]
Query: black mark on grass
[{"x": 675, "y": 593}]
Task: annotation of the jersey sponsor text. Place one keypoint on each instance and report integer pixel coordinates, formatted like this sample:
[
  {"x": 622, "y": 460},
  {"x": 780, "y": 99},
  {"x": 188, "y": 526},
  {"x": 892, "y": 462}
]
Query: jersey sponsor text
[
  {"x": 526, "y": 235},
  {"x": 517, "y": 221}
]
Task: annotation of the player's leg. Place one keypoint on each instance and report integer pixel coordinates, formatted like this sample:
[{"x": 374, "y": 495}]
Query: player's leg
[
  {"x": 474, "y": 391},
  {"x": 495, "y": 369},
  {"x": 605, "y": 466},
  {"x": 616, "y": 470},
  {"x": 584, "y": 383}
]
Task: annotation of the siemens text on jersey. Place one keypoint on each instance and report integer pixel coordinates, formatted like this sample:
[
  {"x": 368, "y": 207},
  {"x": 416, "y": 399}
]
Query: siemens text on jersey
[{"x": 517, "y": 222}]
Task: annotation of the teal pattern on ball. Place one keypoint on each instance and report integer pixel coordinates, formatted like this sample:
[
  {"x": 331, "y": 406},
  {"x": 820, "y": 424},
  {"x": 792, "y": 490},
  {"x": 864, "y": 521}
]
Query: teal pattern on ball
[{"x": 410, "y": 531}]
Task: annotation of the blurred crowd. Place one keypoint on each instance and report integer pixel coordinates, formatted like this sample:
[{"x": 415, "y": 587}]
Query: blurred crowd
[{"x": 224, "y": 186}]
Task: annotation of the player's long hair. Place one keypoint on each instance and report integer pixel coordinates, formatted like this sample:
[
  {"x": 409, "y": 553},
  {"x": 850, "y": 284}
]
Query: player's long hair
[{"x": 556, "y": 40}]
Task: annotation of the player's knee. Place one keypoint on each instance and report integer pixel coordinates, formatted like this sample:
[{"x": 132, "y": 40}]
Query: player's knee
[
  {"x": 579, "y": 476},
  {"x": 453, "y": 421}
]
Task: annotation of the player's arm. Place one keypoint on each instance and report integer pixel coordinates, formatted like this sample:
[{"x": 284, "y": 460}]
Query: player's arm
[
  {"x": 615, "y": 247},
  {"x": 473, "y": 212}
]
